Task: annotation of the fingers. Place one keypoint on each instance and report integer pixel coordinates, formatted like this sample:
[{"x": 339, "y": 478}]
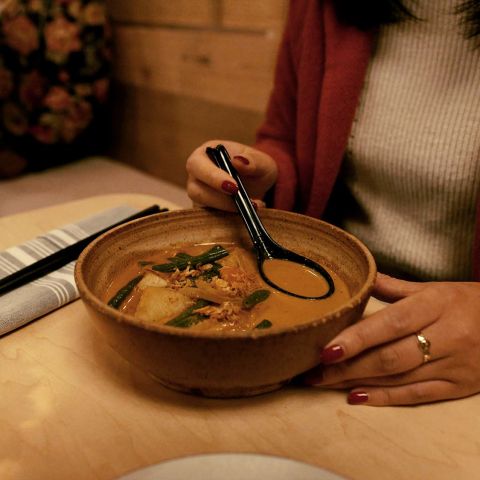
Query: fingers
[
  {"x": 252, "y": 163},
  {"x": 203, "y": 174},
  {"x": 411, "y": 394},
  {"x": 389, "y": 359},
  {"x": 391, "y": 364},
  {"x": 206, "y": 182},
  {"x": 420, "y": 385},
  {"x": 396, "y": 321},
  {"x": 203, "y": 195},
  {"x": 391, "y": 289},
  {"x": 206, "y": 196},
  {"x": 326, "y": 377}
]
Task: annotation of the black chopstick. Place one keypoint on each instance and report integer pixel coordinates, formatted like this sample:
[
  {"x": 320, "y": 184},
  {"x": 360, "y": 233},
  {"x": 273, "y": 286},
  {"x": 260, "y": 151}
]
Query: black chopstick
[{"x": 62, "y": 257}]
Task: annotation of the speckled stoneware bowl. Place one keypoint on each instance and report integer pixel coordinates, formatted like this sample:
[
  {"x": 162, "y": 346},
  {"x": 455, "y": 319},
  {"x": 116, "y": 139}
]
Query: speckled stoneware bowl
[{"x": 234, "y": 364}]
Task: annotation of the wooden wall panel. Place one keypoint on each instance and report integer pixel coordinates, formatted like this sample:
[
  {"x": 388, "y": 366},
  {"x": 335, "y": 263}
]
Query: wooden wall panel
[
  {"x": 254, "y": 14},
  {"x": 157, "y": 131},
  {"x": 233, "y": 69},
  {"x": 197, "y": 13}
]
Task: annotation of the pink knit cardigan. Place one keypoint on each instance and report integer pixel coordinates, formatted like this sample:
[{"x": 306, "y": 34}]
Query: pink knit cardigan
[{"x": 318, "y": 80}]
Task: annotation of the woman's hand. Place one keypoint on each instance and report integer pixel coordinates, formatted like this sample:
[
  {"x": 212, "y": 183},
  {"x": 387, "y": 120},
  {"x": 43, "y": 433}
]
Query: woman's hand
[
  {"x": 207, "y": 184},
  {"x": 380, "y": 359}
]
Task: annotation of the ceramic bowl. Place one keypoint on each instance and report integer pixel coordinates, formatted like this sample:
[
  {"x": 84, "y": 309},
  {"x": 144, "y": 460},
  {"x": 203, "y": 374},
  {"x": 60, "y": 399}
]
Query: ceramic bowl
[{"x": 234, "y": 364}]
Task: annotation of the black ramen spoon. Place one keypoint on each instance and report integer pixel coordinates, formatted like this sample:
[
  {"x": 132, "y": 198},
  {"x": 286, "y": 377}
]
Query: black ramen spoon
[{"x": 266, "y": 248}]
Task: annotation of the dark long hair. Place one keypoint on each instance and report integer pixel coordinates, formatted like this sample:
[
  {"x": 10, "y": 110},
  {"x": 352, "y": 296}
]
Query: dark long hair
[
  {"x": 470, "y": 11},
  {"x": 367, "y": 14}
]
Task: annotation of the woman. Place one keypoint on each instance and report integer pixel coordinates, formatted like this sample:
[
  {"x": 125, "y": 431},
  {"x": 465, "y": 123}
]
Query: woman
[{"x": 373, "y": 125}]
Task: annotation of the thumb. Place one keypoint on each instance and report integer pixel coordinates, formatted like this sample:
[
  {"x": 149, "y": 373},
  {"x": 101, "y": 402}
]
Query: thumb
[{"x": 390, "y": 289}]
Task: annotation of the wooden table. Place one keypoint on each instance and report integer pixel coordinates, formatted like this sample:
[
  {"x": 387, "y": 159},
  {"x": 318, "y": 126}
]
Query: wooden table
[{"x": 71, "y": 408}]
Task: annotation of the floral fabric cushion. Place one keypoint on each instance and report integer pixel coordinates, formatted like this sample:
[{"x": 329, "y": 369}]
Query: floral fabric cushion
[{"x": 54, "y": 78}]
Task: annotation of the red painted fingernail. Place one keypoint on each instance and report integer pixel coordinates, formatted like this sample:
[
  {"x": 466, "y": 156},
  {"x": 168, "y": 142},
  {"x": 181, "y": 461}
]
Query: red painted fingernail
[
  {"x": 330, "y": 354},
  {"x": 254, "y": 203},
  {"x": 229, "y": 187},
  {"x": 355, "y": 398},
  {"x": 244, "y": 160}
]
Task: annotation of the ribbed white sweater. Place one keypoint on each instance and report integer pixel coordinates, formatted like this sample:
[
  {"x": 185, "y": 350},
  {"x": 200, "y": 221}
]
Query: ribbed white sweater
[{"x": 412, "y": 168}]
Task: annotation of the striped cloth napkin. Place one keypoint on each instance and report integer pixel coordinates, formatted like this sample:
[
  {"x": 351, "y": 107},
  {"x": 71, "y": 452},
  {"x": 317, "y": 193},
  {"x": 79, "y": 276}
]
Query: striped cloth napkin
[{"x": 26, "y": 303}]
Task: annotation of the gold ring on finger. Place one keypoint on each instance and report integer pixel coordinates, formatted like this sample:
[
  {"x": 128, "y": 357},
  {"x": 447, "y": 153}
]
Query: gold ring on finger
[{"x": 424, "y": 346}]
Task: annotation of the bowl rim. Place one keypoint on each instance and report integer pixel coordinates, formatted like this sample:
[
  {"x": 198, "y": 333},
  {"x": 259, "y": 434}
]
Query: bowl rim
[{"x": 97, "y": 304}]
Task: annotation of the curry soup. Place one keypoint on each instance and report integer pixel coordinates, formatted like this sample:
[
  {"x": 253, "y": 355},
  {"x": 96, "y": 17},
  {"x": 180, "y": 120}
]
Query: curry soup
[{"x": 217, "y": 288}]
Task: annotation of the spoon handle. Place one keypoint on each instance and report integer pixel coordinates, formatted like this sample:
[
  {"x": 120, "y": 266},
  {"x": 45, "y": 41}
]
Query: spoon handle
[{"x": 256, "y": 230}]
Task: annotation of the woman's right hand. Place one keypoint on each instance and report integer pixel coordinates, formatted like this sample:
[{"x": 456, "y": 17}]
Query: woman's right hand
[{"x": 208, "y": 185}]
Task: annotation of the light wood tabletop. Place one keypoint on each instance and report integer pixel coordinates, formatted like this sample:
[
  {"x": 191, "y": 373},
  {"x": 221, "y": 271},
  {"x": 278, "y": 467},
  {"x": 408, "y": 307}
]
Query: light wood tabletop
[{"x": 71, "y": 408}]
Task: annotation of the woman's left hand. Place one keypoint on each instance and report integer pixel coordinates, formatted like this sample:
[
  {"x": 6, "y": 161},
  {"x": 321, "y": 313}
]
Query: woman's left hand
[{"x": 380, "y": 360}]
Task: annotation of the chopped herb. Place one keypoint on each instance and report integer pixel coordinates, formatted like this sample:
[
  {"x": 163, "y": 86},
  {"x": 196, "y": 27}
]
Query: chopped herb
[
  {"x": 255, "y": 297},
  {"x": 182, "y": 260},
  {"x": 264, "y": 324},
  {"x": 211, "y": 272},
  {"x": 188, "y": 317},
  {"x": 122, "y": 294}
]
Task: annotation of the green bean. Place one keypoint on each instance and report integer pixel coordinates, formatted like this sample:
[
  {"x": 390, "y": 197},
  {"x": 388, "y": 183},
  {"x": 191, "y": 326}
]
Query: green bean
[
  {"x": 264, "y": 324},
  {"x": 188, "y": 317},
  {"x": 254, "y": 298},
  {"x": 122, "y": 294},
  {"x": 182, "y": 260}
]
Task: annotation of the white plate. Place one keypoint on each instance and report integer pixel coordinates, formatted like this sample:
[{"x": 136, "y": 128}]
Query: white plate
[{"x": 231, "y": 466}]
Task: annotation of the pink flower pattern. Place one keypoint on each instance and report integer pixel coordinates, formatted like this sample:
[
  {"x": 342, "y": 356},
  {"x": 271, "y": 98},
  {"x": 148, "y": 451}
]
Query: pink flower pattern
[
  {"x": 62, "y": 36},
  {"x": 54, "y": 75},
  {"x": 21, "y": 34},
  {"x": 58, "y": 99}
]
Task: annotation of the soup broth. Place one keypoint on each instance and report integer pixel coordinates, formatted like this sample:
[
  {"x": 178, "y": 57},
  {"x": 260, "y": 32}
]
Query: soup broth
[
  {"x": 295, "y": 278},
  {"x": 217, "y": 288}
]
